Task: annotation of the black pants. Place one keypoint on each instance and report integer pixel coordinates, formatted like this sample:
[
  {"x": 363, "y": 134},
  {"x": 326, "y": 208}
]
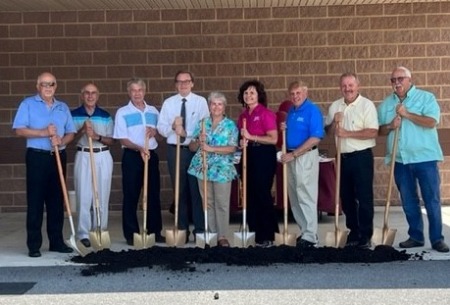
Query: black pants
[
  {"x": 261, "y": 167},
  {"x": 132, "y": 182},
  {"x": 44, "y": 188},
  {"x": 357, "y": 193},
  {"x": 188, "y": 189}
]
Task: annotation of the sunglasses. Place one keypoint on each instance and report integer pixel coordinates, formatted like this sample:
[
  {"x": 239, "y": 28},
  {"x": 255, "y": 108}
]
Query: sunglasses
[
  {"x": 47, "y": 84},
  {"x": 399, "y": 79}
]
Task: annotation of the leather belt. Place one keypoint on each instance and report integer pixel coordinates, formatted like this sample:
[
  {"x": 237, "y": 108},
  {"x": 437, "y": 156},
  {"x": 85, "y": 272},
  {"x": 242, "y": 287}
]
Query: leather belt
[
  {"x": 43, "y": 151},
  {"x": 95, "y": 150},
  {"x": 354, "y": 153},
  {"x": 312, "y": 148}
]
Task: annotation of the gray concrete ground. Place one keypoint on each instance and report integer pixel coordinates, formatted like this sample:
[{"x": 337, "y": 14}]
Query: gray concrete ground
[
  {"x": 13, "y": 251},
  {"x": 52, "y": 279}
]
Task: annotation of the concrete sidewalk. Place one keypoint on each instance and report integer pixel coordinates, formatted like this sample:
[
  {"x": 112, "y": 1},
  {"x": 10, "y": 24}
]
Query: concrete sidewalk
[{"x": 13, "y": 251}]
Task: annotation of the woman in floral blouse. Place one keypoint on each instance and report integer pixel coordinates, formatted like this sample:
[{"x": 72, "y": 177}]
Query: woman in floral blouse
[{"x": 219, "y": 141}]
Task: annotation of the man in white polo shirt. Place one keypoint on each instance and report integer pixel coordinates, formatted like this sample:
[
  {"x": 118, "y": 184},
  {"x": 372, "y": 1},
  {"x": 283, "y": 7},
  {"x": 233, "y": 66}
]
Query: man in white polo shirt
[{"x": 133, "y": 123}]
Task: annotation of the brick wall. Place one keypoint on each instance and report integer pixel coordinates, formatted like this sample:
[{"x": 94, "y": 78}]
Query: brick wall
[{"x": 223, "y": 47}]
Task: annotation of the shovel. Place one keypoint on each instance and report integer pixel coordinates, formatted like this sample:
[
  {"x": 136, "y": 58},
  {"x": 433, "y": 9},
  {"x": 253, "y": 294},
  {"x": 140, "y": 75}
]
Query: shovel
[
  {"x": 176, "y": 237},
  {"x": 338, "y": 238},
  {"x": 144, "y": 240},
  {"x": 100, "y": 239},
  {"x": 205, "y": 238},
  {"x": 71, "y": 241},
  {"x": 385, "y": 235},
  {"x": 285, "y": 238},
  {"x": 244, "y": 238}
]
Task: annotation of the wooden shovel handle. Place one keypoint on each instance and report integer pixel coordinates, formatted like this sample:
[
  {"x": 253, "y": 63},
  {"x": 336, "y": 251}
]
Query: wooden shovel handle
[
  {"x": 62, "y": 180},
  {"x": 145, "y": 186},
  {"x": 391, "y": 177},
  {"x": 94, "y": 181},
  {"x": 285, "y": 188},
  {"x": 244, "y": 180},
  {"x": 177, "y": 180},
  {"x": 337, "y": 192},
  {"x": 205, "y": 174}
]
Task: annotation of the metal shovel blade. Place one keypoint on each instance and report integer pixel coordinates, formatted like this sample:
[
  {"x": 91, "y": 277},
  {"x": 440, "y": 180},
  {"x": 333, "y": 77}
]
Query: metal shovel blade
[
  {"x": 384, "y": 236},
  {"x": 336, "y": 239},
  {"x": 100, "y": 240},
  {"x": 203, "y": 239},
  {"x": 143, "y": 240},
  {"x": 176, "y": 238},
  {"x": 81, "y": 248},
  {"x": 285, "y": 239},
  {"x": 244, "y": 239},
  {"x": 73, "y": 244}
]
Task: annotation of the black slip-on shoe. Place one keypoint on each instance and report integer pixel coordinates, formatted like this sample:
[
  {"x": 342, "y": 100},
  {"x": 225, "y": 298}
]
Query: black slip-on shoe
[{"x": 34, "y": 253}]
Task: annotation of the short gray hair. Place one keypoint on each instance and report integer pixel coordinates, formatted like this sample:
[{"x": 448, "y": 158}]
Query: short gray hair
[
  {"x": 404, "y": 69},
  {"x": 215, "y": 95},
  {"x": 136, "y": 81}
]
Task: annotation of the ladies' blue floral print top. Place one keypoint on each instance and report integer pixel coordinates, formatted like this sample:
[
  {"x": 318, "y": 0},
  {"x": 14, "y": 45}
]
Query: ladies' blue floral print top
[{"x": 220, "y": 166}]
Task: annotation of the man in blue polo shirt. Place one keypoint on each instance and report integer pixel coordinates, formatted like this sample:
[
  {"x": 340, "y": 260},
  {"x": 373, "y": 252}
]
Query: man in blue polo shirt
[
  {"x": 96, "y": 123},
  {"x": 46, "y": 123},
  {"x": 304, "y": 124}
]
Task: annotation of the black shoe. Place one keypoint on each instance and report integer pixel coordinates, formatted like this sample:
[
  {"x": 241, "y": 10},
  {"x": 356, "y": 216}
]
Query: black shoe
[
  {"x": 305, "y": 244},
  {"x": 34, "y": 253},
  {"x": 160, "y": 239},
  {"x": 85, "y": 242},
  {"x": 440, "y": 246},
  {"x": 61, "y": 249},
  {"x": 187, "y": 236},
  {"x": 351, "y": 243},
  {"x": 265, "y": 244},
  {"x": 410, "y": 243},
  {"x": 129, "y": 242},
  {"x": 364, "y": 244}
]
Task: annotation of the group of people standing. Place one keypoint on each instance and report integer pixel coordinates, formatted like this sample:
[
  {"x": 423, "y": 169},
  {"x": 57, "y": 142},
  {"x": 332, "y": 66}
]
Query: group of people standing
[{"x": 199, "y": 125}]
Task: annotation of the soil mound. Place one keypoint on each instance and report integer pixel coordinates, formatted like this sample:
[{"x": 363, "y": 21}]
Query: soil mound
[{"x": 184, "y": 259}]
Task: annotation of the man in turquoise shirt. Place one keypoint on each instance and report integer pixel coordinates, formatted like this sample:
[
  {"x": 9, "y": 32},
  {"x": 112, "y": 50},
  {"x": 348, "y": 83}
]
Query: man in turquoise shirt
[{"x": 415, "y": 113}]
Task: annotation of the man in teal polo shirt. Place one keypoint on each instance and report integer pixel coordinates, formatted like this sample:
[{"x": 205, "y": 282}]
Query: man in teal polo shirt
[
  {"x": 46, "y": 123},
  {"x": 416, "y": 113}
]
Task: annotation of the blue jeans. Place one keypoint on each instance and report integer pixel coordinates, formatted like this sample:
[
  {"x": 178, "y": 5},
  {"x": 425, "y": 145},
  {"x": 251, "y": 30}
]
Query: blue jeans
[{"x": 426, "y": 174}]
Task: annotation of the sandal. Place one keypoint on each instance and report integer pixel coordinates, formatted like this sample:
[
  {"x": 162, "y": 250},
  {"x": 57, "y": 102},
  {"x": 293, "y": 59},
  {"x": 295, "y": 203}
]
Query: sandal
[{"x": 223, "y": 242}]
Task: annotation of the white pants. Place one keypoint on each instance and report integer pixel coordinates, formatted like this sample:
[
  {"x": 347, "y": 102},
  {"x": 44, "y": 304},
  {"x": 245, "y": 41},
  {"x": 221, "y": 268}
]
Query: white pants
[
  {"x": 84, "y": 190},
  {"x": 218, "y": 206},
  {"x": 303, "y": 190}
]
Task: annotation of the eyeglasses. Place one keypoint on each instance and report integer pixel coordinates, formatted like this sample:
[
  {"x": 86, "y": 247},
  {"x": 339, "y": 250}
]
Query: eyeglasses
[
  {"x": 90, "y": 92},
  {"x": 47, "y": 84},
  {"x": 399, "y": 79},
  {"x": 183, "y": 82}
]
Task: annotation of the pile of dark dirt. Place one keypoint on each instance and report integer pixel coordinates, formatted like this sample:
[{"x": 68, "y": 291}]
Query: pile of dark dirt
[{"x": 184, "y": 259}]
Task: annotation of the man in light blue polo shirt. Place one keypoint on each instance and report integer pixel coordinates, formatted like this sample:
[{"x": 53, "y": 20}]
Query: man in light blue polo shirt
[
  {"x": 46, "y": 123},
  {"x": 416, "y": 113}
]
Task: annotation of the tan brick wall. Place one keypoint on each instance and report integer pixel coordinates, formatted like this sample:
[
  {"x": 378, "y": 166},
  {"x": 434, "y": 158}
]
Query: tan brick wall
[{"x": 223, "y": 47}]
